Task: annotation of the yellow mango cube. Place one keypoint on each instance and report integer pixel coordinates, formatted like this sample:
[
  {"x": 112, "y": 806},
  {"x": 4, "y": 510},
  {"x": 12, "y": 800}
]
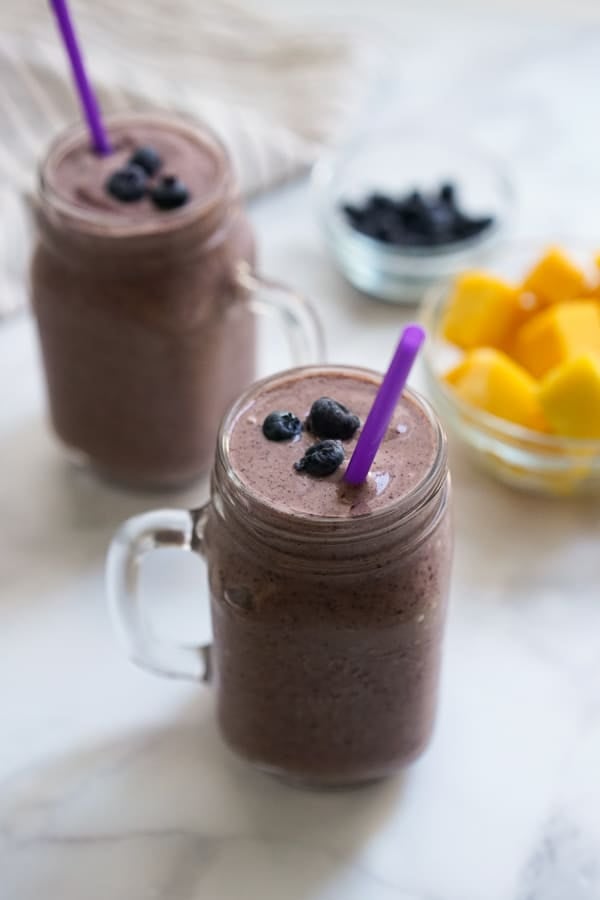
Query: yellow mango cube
[
  {"x": 560, "y": 332},
  {"x": 570, "y": 397},
  {"x": 490, "y": 380},
  {"x": 554, "y": 278},
  {"x": 595, "y": 291},
  {"x": 482, "y": 311}
]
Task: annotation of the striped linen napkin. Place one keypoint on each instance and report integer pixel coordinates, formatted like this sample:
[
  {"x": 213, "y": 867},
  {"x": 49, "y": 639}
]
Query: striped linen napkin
[{"x": 275, "y": 96}]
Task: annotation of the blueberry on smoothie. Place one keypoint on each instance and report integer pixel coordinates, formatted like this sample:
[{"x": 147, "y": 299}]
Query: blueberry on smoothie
[
  {"x": 127, "y": 184},
  {"x": 329, "y": 419},
  {"x": 281, "y": 426},
  {"x": 321, "y": 459}
]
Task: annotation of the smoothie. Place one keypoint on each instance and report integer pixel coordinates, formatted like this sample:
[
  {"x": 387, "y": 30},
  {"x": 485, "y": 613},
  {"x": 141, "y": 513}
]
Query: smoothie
[
  {"x": 328, "y": 602},
  {"x": 145, "y": 333}
]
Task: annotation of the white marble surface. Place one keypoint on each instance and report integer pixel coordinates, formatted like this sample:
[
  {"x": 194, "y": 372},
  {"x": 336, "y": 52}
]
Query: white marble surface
[{"x": 114, "y": 785}]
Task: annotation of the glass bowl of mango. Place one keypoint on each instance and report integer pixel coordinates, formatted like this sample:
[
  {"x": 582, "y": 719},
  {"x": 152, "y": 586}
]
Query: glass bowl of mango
[{"x": 513, "y": 365}]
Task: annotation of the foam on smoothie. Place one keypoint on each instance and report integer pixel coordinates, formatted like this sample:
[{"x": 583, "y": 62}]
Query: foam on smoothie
[{"x": 266, "y": 467}]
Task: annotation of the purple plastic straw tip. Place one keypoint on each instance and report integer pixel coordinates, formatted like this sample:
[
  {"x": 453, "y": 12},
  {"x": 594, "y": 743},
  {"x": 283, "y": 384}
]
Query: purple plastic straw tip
[
  {"x": 384, "y": 404},
  {"x": 87, "y": 98}
]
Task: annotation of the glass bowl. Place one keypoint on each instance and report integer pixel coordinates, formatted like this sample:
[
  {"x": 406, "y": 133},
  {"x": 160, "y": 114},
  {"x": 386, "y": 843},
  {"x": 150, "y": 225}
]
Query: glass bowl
[
  {"x": 525, "y": 459},
  {"x": 394, "y": 162}
]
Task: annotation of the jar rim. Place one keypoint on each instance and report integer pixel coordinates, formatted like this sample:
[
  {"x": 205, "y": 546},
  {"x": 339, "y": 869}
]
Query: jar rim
[
  {"x": 396, "y": 512},
  {"x": 103, "y": 223}
]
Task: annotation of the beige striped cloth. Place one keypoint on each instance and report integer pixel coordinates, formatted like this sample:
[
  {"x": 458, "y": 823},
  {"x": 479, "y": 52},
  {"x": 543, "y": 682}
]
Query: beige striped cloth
[{"x": 274, "y": 95}]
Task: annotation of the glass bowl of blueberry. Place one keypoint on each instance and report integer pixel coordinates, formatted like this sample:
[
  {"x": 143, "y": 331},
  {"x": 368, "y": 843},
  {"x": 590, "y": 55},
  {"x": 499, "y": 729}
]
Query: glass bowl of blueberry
[{"x": 401, "y": 212}]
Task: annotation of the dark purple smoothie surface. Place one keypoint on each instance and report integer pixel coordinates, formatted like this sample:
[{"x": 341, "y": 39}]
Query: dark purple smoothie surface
[
  {"x": 267, "y": 467},
  {"x": 78, "y": 175}
]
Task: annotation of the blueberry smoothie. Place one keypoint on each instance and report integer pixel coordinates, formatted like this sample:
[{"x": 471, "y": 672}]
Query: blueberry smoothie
[
  {"x": 145, "y": 333},
  {"x": 328, "y": 601}
]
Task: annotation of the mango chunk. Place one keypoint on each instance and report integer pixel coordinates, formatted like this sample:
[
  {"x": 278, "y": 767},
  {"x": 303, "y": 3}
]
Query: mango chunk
[
  {"x": 558, "y": 333},
  {"x": 570, "y": 397},
  {"x": 482, "y": 311},
  {"x": 490, "y": 380},
  {"x": 554, "y": 278},
  {"x": 595, "y": 292}
]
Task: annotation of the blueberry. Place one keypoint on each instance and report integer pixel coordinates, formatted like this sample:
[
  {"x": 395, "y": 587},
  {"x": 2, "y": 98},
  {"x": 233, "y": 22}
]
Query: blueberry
[
  {"x": 414, "y": 202},
  {"x": 353, "y": 213},
  {"x": 127, "y": 184},
  {"x": 440, "y": 223},
  {"x": 414, "y": 211},
  {"x": 384, "y": 234},
  {"x": 466, "y": 227},
  {"x": 321, "y": 459},
  {"x": 329, "y": 419},
  {"x": 447, "y": 193},
  {"x": 367, "y": 225},
  {"x": 378, "y": 202},
  {"x": 476, "y": 226},
  {"x": 147, "y": 158},
  {"x": 281, "y": 426},
  {"x": 415, "y": 219},
  {"x": 398, "y": 235},
  {"x": 169, "y": 193}
]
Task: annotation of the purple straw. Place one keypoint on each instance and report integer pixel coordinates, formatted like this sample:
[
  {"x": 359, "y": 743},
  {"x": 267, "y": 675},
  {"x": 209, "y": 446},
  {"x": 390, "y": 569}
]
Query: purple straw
[
  {"x": 384, "y": 405},
  {"x": 86, "y": 95}
]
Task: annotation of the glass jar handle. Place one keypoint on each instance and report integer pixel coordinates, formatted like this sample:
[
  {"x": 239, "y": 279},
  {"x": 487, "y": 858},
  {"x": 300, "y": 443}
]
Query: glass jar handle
[
  {"x": 174, "y": 528},
  {"x": 298, "y": 319}
]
